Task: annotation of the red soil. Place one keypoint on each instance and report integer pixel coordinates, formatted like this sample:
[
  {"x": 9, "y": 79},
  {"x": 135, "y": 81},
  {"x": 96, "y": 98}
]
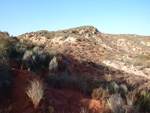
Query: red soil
[{"x": 63, "y": 100}]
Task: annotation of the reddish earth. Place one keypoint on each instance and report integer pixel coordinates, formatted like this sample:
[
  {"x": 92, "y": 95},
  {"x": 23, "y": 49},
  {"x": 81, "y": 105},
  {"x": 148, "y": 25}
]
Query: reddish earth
[
  {"x": 62, "y": 100},
  {"x": 82, "y": 69}
]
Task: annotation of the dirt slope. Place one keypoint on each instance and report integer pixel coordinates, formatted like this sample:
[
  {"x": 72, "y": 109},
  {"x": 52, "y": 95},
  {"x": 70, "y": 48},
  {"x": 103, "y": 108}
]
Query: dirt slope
[{"x": 63, "y": 100}]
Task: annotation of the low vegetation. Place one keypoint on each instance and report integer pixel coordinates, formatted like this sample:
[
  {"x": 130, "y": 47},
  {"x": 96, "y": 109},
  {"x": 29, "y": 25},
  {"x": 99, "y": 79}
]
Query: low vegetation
[
  {"x": 84, "y": 110},
  {"x": 78, "y": 66},
  {"x": 35, "y": 91},
  {"x": 53, "y": 65},
  {"x": 143, "y": 57},
  {"x": 6, "y": 80},
  {"x": 116, "y": 104},
  {"x": 101, "y": 94},
  {"x": 65, "y": 82}
]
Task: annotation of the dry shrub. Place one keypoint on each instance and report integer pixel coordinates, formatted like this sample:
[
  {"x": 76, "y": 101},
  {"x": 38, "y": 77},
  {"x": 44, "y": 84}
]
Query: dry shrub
[
  {"x": 140, "y": 99},
  {"x": 144, "y": 100},
  {"x": 47, "y": 109},
  {"x": 131, "y": 97},
  {"x": 108, "y": 77},
  {"x": 35, "y": 91},
  {"x": 100, "y": 94},
  {"x": 116, "y": 104},
  {"x": 84, "y": 110},
  {"x": 53, "y": 65}
]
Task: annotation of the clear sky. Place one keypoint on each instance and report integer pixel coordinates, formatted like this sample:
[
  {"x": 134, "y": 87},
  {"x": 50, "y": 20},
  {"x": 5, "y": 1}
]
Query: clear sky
[{"x": 108, "y": 16}]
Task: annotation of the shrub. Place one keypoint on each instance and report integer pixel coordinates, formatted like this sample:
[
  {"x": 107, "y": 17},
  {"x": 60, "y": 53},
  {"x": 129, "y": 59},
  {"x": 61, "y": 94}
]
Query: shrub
[
  {"x": 38, "y": 69},
  {"x": 29, "y": 45},
  {"x": 53, "y": 65},
  {"x": 91, "y": 82},
  {"x": 47, "y": 58},
  {"x": 6, "y": 80},
  {"x": 116, "y": 104},
  {"x": 131, "y": 99},
  {"x": 37, "y": 49},
  {"x": 6, "y": 109},
  {"x": 113, "y": 87},
  {"x": 123, "y": 89},
  {"x": 20, "y": 48},
  {"x": 48, "y": 109},
  {"x": 5, "y": 47},
  {"x": 108, "y": 77},
  {"x": 84, "y": 110},
  {"x": 145, "y": 57},
  {"x": 96, "y": 82},
  {"x": 65, "y": 82},
  {"x": 35, "y": 91},
  {"x": 131, "y": 108},
  {"x": 52, "y": 80},
  {"x": 64, "y": 66},
  {"x": 100, "y": 94},
  {"x": 144, "y": 100},
  {"x": 40, "y": 57},
  {"x": 18, "y": 52},
  {"x": 34, "y": 60},
  {"x": 29, "y": 59},
  {"x": 54, "y": 50}
]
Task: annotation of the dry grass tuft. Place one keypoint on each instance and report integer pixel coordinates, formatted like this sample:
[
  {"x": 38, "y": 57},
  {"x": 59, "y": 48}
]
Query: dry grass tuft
[
  {"x": 84, "y": 110},
  {"x": 101, "y": 94},
  {"x": 116, "y": 104},
  {"x": 35, "y": 91},
  {"x": 53, "y": 65}
]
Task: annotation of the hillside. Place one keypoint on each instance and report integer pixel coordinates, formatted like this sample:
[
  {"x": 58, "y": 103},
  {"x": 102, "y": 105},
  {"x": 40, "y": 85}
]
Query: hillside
[
  {"x": 129, "y": 53},
  {"x": 81, "y": 68}
]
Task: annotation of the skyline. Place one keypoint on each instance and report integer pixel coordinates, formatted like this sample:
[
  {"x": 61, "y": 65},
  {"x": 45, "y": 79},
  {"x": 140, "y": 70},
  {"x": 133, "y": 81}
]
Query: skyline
[{"x": 108, "y": 16}]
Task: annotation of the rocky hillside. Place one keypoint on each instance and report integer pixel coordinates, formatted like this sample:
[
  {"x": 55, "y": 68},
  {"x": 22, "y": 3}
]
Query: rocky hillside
[
  {"x": 129, "y": 53},
  {"x": 128, "y": 43},
  {"x": 78, "y": 70}
]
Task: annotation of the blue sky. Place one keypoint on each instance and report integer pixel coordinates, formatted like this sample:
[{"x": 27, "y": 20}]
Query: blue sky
[{"x": 108, "y": 16}]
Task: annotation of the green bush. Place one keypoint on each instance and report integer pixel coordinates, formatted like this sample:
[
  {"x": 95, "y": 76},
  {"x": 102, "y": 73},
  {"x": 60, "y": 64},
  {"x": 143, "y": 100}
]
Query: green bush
[
  {"x": 29, "y": 45},
  {"x": 37, "y": 49},
  {"x": 41, "y": 57},
  {"x": 113, "y": 87},
  {"x": 96, "y": 82},
  {"x": 6, "y": 80},
  {"x": 144, "y": 100},
  {"x": 29, "y": 59},
  {"x": 18, "y": 52},
  {"x": 47, "y": 58},
  {"x": 35, "y": 60},
  {"x": 64, "y": 82},
  {"x": 5, "y": 47},
  {"x": 123, "y": 89},
  {"x": 40, "y": 61},
  {"x": 20, "y": 48},
  {"x": 91, "y": 82},
  {"x": 140, "y": 98},
  {"x": 144, "y": 57}
]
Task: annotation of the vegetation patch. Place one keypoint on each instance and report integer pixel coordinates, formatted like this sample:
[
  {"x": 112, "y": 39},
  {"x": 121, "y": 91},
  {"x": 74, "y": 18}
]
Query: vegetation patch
[{"x": 35, "y": 91}]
